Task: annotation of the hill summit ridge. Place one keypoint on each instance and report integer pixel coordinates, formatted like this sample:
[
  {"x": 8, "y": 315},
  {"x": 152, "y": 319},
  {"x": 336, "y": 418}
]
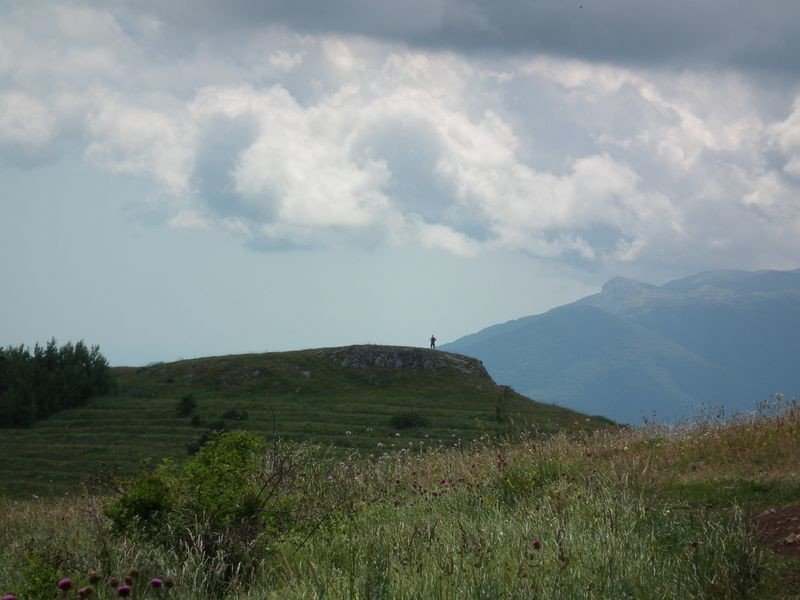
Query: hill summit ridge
[{"x": 364, "y": 356}]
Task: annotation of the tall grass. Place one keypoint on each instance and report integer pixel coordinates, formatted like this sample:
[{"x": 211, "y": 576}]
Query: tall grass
[{"x": 600, "y": 515}]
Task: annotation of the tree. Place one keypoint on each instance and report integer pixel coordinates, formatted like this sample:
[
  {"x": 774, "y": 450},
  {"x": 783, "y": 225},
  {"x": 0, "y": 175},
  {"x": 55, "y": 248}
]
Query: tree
[{"x": 52, "y": 378}]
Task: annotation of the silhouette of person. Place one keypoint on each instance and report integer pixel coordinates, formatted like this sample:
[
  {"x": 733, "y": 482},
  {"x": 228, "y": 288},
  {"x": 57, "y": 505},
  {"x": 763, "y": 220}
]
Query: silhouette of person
[{"x": 433, "y": 342}]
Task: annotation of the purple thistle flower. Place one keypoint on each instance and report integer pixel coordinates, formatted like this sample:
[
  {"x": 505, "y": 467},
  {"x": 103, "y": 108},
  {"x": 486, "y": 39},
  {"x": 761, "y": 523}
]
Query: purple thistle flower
[
  {"x": 8, "y": 597},
  {"x": 65, "y": 584},
  {"x": 124, "y": 591},
  {"x": 85, "y": 592},
  {"x": 537, "y": 544},
  {"x": 156, "y": 582}
]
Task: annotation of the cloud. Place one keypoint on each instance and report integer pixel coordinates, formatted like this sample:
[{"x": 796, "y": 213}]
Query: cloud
[
  {"x": 291, "y": 135},
  {"x": 786, "y": 136},
  {"x": 25, "y": 121},
  {"x": 137, "y": 140},
  {"x": 683, "y": 32}
]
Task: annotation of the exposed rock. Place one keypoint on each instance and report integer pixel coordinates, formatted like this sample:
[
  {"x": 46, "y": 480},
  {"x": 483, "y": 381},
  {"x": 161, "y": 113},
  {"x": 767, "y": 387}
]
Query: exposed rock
[{"x": 401, "y": 357}]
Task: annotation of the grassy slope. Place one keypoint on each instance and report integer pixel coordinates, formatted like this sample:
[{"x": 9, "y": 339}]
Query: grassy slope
[
  {"x": 644, "y": 513},
  {"x": 302, "y": 395}
]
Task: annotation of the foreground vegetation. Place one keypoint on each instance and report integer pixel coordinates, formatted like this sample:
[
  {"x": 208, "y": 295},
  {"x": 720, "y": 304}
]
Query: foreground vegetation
[{"x": 642, "y": 513}]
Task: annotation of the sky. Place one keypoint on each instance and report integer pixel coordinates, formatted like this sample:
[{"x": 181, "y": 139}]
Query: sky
[{"x": 194, "y": 178}]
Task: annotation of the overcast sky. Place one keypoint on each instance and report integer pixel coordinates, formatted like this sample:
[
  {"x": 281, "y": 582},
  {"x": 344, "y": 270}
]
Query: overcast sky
[{"x": 190, "y": 178}]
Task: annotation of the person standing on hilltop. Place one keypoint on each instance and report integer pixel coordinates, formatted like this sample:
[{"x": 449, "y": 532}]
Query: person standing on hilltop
[{"x": 433, "y": 342}]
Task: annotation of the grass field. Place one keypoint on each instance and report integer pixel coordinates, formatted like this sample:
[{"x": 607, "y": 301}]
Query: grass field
[
  {"x": 479, "y": 493},
  {"x": 707, "y": 510},
  {"x": 296, "y": 396}
]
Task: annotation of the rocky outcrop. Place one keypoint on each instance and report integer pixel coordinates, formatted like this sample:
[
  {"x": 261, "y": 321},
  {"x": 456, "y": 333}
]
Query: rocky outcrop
[{"x": 401, "y": 357}]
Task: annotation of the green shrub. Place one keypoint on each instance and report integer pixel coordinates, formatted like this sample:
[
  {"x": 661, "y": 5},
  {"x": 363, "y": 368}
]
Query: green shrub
[
  {"x": 212, "y": 430},
  {"x": 407, "y": 420},
  {"x": 235, "y": 415},
  {"x": 186, "y": 406},
  {"x": 227, "y": 501},
  {"x": 145, "y": 504}
]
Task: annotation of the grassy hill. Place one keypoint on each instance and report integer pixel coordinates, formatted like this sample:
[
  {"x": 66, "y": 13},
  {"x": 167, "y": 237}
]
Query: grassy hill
[
  {"x": 369, "y": 398},
  {"x": 708, "y": 510}
]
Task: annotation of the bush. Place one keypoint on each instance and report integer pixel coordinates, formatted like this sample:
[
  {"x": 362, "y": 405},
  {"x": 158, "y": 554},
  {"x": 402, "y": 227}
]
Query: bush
[
  {"x": 145, "y": 504},
  {"x": 212, "y": 430},
  {"x": 186, "y": 406},
  {"x": 229, "y": 500},
  {"x": 235, "y": 415},
  {"x": 407, "y": 420}
]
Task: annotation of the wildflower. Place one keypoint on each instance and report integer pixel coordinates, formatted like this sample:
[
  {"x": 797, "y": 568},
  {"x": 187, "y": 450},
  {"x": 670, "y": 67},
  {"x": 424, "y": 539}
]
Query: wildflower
[
  {"x": 124, "y": 591},
  {"x": 113, "y": 582},
  {"x": 8, "y": 597},
  {"x": 85, "y": 592},
  {"x": 536, "y": 544},
  {"x": 169, "y": 582},
  {"x": 93, "y": 577},
  {"x": 65, "y": 584},
  {"x": 397, "y": 434},
  {"x": 348, "y": 433},
  {"x": 156, "y": 582}
]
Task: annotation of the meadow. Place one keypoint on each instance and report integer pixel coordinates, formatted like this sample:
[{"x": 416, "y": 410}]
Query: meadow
[{"x": 704, "y": 510}]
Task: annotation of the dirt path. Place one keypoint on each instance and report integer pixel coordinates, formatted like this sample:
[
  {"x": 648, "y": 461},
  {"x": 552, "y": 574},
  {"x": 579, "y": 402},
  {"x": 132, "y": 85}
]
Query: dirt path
[{"x": 779, "y": 530}]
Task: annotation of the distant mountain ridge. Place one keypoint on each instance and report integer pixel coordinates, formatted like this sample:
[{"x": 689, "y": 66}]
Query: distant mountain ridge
[{"x": 634, "y": 350}]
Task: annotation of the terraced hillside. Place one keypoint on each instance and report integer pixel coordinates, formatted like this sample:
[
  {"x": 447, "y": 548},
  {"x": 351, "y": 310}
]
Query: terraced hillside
[{"x": 371, "y": 398}]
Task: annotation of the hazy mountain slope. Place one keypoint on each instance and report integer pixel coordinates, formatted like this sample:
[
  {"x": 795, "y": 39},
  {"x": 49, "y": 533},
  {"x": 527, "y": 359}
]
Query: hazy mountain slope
[
  {"x": 592, "y": 361},
  {"x": 718, "y": 338},
  {"x": 740, "y": 281}
]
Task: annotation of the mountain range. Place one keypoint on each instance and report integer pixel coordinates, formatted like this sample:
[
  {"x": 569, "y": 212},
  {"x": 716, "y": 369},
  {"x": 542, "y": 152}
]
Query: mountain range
[{"x": 718, "y": 340}]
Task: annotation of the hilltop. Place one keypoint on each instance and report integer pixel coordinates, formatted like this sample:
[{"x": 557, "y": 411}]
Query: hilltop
[
  {"x": 373, "y": 399},
  {"x": 634, "y": 350}
]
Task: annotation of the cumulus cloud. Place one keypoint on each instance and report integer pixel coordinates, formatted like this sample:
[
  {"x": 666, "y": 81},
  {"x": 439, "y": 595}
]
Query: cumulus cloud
[
  {"x": 306, "y": 137},
  {"x": 137, "y": 140}
]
